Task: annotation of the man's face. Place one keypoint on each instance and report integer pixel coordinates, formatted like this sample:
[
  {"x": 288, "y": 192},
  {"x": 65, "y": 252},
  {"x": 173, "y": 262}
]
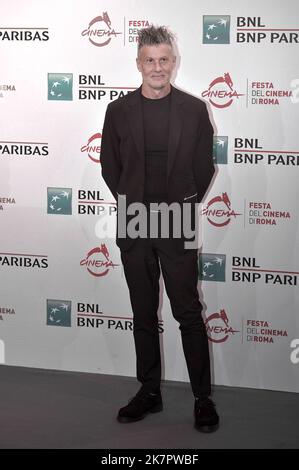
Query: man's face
[{"x": 156, "y": 64}]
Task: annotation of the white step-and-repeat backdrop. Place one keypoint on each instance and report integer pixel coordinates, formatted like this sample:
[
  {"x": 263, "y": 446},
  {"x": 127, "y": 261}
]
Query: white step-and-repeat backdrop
[{"x": 64, "y": 302}]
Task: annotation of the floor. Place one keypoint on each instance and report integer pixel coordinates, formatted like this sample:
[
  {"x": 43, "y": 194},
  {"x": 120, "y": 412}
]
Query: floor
[{"x": 50, "y": 409}]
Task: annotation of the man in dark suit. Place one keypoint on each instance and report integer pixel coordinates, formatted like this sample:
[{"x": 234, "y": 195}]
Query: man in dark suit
[{"x": 157, "y": 151}]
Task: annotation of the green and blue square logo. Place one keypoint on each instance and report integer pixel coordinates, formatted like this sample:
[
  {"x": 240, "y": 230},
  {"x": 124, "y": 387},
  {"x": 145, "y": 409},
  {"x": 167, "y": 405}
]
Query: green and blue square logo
[
  {"x": 211, "y": 267},
  {"x": 59, "y": 201},
  {"x": 216, "y": 29},
  {"x": 60, "y": 86},
  {"x": 220, "y": 145},
  {"x": 59, "y": 312}
]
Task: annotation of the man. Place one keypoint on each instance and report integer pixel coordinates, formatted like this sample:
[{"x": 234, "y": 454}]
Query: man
[{"x": 157, "y": 148}]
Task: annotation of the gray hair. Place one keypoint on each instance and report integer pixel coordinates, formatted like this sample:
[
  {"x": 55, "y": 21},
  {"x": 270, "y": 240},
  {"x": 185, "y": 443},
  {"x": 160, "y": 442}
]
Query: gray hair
[{"x": 153, "y": 36}]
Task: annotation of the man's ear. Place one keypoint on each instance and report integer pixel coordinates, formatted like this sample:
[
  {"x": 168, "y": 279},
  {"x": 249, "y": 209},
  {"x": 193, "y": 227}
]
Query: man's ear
[{"x": 138, "y": 63}]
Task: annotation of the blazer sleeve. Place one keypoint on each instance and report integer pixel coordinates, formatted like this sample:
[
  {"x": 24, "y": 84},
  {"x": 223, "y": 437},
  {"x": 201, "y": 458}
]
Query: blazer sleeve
[
  {"x": 110, "y": 155},
  {"x": 203, "y": 166}
]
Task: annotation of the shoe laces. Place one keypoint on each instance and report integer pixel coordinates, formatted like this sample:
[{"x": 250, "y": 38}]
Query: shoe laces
[
  {"x": 140, "y": 396},
  {"x": 207, "y": 403}
]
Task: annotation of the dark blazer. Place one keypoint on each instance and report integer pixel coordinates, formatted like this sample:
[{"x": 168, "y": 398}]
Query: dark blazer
[{"x": 190, "y": 162}]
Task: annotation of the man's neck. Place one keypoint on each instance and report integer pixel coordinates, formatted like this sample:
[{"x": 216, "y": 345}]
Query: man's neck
[{"x": 155, "y": 94}]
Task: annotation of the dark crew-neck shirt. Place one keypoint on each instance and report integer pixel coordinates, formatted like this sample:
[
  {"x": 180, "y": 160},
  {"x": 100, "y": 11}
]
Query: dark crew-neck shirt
[{"x": 156, "y": 128}]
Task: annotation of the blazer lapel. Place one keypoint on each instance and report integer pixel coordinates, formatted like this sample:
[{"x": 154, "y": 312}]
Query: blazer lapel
[
  {"x": 136, "y": 121},
  {"x": 175, "y": 128}
]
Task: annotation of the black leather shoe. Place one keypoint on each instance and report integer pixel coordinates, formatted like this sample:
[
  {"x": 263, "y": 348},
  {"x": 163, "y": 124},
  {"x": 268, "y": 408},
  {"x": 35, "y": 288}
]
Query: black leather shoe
[
  {"x": 206, "y": 417},
  {"x": 142, "y": 404}
]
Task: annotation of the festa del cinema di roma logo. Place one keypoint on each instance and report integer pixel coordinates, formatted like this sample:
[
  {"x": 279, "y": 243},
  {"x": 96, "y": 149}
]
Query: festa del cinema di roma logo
[
  {"x": 98, "y": 262},
  {"x": 219, "y": 212},
  {"x": 93, "y": 147},
  {"x": 221, "y": 92},
  {"x": 99, "y": 30},
  {"x": 218, "y": 327}
]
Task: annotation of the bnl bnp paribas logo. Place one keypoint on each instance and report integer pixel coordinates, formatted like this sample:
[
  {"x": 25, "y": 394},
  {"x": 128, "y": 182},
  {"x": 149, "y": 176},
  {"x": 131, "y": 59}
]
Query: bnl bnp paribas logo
[
  {"x": 59, "y": 201},
  {"x": 216, "y": 29},
  {"x": 59, "y": 312},
  {"x": 212, "y": 267},
  {"x": 220, "y": 145},
  {"x": 60, "y": 86}
]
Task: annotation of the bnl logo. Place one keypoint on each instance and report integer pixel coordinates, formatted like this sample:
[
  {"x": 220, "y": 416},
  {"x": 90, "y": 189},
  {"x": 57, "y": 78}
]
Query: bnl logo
[
  {"x": 59, "y": 312},
  {"x": 220, "y": 143},
  {"x": 59, "y": 201},
  {"x": 215, "y": 29},
  {"x": 212, "y": 267},
  {"x": 60, "y": 86}
]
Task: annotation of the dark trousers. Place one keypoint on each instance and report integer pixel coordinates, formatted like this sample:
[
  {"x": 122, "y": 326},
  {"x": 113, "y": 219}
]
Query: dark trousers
[{"x": 180, "y": 272}]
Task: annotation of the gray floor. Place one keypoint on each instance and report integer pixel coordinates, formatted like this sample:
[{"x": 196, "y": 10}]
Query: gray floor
[{"x": 56, "y": 409}]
